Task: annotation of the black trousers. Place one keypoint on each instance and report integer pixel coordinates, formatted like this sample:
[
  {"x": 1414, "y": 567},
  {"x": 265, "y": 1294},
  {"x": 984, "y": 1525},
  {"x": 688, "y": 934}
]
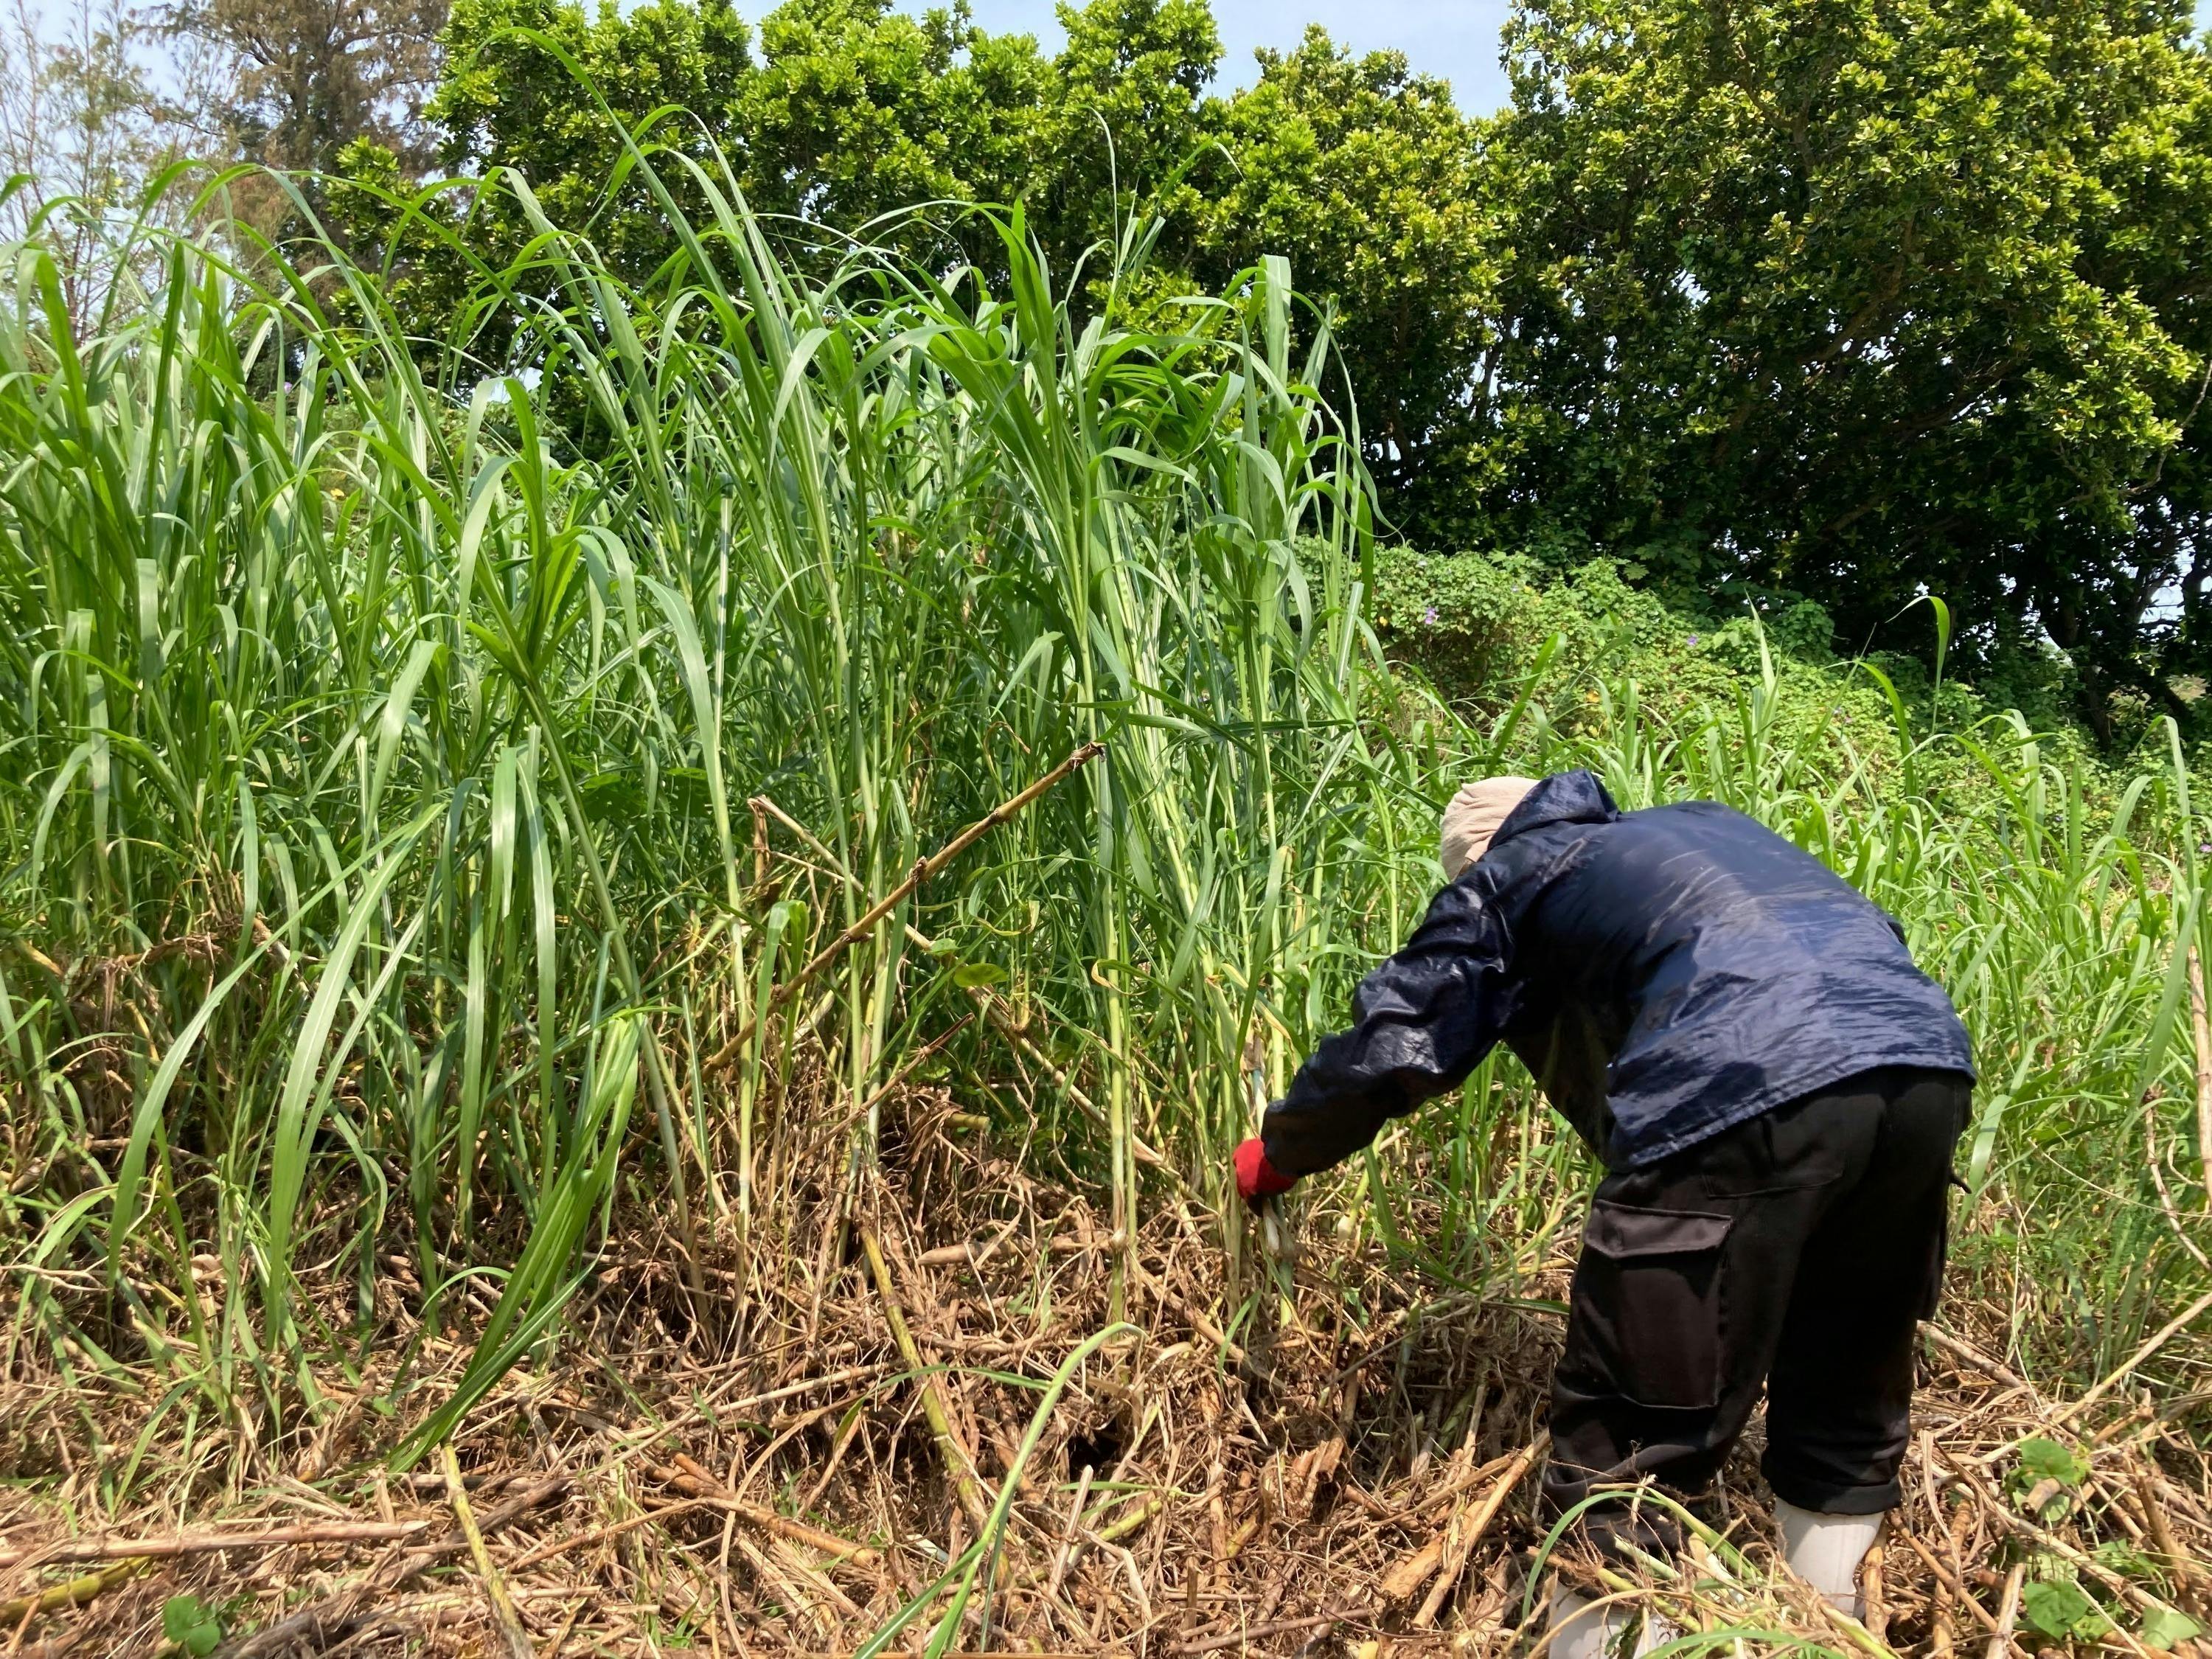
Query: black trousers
[{"x": 1798, "y": 1251}]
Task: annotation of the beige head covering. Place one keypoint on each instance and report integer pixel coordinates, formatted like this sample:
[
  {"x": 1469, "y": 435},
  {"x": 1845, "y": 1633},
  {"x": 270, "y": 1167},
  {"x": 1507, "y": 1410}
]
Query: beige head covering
[{"x": 1474, "y": 816}]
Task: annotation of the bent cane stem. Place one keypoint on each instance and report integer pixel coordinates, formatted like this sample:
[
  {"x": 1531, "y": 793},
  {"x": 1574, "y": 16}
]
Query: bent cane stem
[{"x": 924, "y": 870}]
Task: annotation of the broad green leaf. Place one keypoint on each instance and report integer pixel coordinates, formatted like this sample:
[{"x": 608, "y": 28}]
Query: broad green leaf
[
  {"x": 2043, "y": 1459},
  {"x": 2163, "y": 1626},
  {"x": 2055, "y": 1606},
  {"x": 194, "y": 1628}
]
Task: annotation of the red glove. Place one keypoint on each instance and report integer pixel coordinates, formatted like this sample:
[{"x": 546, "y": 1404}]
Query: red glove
[{"x": 1256, "y": 1178}]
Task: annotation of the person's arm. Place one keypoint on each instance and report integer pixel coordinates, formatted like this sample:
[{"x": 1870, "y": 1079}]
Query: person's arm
[{"x": 1422, "y": 1021}]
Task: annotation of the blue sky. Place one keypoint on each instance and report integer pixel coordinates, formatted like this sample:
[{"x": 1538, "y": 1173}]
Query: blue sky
[{"x": 1455, "y": 39}]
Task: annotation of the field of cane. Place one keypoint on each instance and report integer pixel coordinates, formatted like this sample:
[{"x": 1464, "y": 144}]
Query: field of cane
[{"x": 625, "y": 987}]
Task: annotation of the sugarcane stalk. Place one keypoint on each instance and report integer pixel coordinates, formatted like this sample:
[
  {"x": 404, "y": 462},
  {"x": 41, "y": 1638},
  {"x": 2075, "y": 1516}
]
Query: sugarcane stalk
[
  {"x": 1278, "y": 1242},
  {"x": 75, "y": 1593}
]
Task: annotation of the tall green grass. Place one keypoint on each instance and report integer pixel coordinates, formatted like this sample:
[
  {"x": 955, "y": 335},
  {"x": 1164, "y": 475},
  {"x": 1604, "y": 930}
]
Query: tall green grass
[{"x": 389, "y": 736}]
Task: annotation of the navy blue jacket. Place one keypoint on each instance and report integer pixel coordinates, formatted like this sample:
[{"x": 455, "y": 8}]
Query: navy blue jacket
[{"x": 1664, "y": 975}]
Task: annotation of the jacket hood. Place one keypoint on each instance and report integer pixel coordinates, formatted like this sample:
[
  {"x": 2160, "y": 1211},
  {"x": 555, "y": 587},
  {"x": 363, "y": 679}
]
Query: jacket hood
[{"x": 1574, "y": 797}]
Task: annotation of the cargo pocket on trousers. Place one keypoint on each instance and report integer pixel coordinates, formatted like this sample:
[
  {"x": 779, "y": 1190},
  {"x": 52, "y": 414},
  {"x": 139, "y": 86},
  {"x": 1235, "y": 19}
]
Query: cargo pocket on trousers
[{"x": 1647, "y": 1311}]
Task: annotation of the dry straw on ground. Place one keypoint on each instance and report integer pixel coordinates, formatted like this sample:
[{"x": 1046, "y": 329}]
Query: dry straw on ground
[{"x": 782, "y": 1464}]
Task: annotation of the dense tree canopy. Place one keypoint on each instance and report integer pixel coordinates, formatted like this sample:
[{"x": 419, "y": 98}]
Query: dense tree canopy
[
  {"x": 511, "y": 98},
  {"x": 842, "y": 114},
  {"x": 1366, "y": 176},
  {"x": 1855, "y": 301},
  {"x": 1865, "y": 301}
]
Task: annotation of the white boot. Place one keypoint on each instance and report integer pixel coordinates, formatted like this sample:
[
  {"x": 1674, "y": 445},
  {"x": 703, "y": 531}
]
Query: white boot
[
  {"x": 1582, "y": 1630},
  {"x": 1825, "y": 1550}
]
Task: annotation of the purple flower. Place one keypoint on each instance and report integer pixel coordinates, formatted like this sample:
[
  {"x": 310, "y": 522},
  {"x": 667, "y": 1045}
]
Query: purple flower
[
  {"x": 1430, "y": 616},
  {"x": 2204, "y": 847},
  {"x": 1693, "y": 638}
]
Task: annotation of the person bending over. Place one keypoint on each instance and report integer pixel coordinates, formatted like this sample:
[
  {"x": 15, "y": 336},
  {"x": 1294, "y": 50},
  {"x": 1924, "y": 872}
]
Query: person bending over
[{"x": 1775, "y": 1090}]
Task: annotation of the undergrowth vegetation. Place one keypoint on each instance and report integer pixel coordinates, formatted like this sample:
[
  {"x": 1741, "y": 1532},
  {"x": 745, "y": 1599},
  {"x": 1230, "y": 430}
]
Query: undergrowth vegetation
[{"x": 446, "y": 814}]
